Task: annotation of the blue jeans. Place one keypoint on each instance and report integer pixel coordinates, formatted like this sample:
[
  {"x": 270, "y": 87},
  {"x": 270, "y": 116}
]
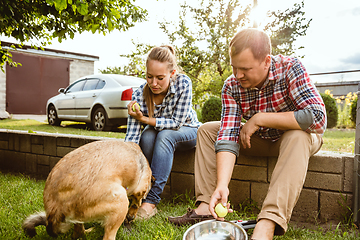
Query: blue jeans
[{"x": 159, "y": 147}]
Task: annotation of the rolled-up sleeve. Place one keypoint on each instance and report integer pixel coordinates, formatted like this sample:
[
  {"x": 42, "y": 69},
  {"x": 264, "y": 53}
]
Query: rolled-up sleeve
[
  {"x": 306, "y": 97},
  {"x": 228, "y": 135}
]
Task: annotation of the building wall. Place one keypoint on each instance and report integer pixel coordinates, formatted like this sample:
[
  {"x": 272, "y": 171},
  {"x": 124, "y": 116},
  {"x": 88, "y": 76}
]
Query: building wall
[
  {"x": 79, "y": 65},
  {"x": 338, "y": 89},
  {"x": 80, "y": 68},
  {"x": 3, "y": 90}
]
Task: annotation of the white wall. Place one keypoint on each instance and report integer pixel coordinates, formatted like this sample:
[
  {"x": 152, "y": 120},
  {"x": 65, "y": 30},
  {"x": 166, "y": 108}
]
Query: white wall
[{"x": 80, "y": 68}]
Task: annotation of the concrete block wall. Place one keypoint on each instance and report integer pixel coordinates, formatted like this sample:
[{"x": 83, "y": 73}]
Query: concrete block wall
[
  {"x": 36, "y": 153},
  {"x": 80, "y": 68},
  {"x": 327, "y": 193}
]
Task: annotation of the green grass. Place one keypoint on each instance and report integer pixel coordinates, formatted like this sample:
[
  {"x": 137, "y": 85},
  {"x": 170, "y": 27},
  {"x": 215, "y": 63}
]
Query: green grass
[
  {"x": 66, "y": 127},
  {"x": 339, "y": 140},
  {"x": 22, "y": 196}
]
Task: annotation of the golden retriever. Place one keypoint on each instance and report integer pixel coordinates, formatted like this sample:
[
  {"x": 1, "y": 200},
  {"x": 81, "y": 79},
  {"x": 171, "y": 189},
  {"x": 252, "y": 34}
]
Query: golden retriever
[{"x": 103, "y": 181}]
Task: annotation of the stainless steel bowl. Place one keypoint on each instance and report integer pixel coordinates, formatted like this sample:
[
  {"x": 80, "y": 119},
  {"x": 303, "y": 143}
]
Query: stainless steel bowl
[{"x": 212, "y": 229}]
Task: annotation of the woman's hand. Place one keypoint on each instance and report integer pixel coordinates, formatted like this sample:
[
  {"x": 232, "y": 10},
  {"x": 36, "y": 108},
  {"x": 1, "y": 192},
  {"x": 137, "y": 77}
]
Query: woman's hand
[{"x": 137, "y": 114}]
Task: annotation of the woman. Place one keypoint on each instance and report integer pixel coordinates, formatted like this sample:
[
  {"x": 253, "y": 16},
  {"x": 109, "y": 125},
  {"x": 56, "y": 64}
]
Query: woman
[{"x": 170, "y": 122}]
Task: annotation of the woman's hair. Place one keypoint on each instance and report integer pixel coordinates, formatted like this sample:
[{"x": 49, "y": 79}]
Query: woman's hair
[
  {"x": 162, "y": 54},
  {"x": 257, "y": 40}
]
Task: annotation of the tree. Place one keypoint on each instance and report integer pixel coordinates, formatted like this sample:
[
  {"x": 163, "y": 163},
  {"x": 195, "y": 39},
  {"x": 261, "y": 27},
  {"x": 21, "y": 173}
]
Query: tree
[
  {"x": 203, "y": 48},
  {"x": 45, "y": 20}
]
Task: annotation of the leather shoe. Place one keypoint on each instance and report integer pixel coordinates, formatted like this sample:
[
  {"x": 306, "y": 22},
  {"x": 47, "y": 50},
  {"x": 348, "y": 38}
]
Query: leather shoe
[{"x": 189, "y": 218}]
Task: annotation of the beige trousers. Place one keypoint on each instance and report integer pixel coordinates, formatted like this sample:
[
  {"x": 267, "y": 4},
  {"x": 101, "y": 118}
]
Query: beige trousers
[{"x": 293, "y": 150}]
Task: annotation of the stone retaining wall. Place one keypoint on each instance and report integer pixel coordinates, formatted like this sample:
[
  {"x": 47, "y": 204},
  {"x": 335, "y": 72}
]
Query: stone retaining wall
[{"x": 327, "y": 193}]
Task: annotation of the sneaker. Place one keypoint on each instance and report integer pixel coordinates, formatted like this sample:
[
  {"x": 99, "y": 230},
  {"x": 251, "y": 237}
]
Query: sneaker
[
  {"x": 142, "y": 214},
  {"x": 189, "y": 218}
]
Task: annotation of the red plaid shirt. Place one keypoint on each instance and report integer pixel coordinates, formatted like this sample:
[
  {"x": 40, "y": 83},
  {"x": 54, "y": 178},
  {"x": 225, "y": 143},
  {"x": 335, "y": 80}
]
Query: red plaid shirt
[{"x": 287, "y": 88}]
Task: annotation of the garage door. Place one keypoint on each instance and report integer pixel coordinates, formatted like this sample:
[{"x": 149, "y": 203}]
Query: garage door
[{"x": 28, "y": 87}]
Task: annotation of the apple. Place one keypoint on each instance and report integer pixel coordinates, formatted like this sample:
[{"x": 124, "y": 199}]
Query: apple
[
  {"x": 133, "y": 107},
  {"x": 220, "y": 210}
]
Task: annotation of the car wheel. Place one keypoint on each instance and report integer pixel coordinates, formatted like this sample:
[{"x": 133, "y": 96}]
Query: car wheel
[
  {"x": 99, "y": 120},
  {"x": 52, "y": 117}
]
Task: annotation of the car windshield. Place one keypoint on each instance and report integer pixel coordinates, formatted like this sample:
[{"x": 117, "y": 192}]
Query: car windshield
[{"x": 128, "y": 81}]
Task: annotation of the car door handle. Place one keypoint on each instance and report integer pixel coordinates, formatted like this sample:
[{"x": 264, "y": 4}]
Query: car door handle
[{"x": 94, "y": 95}]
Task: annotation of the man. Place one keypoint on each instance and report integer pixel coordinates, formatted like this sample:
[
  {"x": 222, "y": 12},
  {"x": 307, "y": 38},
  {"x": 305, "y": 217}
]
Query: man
[{"x": 285, "y": 118}]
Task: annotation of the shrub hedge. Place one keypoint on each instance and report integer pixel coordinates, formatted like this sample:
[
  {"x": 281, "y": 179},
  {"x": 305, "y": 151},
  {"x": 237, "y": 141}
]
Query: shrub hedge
[
  {"x": 331, "y": 110},
  {"x": 211, "y": 110}
]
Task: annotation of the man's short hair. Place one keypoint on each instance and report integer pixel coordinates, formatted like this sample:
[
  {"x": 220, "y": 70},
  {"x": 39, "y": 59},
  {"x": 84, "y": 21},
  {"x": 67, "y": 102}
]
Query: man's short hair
[{"x": 257, "y": 40}]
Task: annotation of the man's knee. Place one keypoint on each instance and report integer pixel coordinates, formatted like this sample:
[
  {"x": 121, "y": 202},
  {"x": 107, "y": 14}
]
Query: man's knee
[
  {"x": 296, "y": 135},
  {"x": 296, "y": 142},
  {"x": 209, "y": 129}
]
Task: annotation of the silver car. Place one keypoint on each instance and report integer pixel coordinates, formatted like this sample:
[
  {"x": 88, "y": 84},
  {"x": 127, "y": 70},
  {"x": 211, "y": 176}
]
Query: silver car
[{"x": 100, "y": 100}]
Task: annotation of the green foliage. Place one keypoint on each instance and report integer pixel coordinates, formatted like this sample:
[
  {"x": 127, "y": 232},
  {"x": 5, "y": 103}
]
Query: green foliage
[
  {"x": 211, "y": 111},
  {"x": 344, "y": 117},
  {"x": 45, "y": 20},
  {"x": 353, "y": 108},
  {"x": 331, "y": 110},
  {"x": 286, "y": 28},
  {"x": 202, "y": 43}
]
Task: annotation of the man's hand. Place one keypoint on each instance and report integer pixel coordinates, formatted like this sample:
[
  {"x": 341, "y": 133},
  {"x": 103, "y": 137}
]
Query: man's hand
[
  {"x": 225, "y": 162},
  {"x": 277, "y": 120},
  {"x": 247, "y": 130},
  {"x": 220, "y": 195}
]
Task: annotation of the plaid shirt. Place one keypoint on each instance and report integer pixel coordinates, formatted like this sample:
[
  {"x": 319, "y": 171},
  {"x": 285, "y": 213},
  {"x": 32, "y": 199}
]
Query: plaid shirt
[
  {"x": 287, "y": 88},
  {"x": 175, "y": 111}
]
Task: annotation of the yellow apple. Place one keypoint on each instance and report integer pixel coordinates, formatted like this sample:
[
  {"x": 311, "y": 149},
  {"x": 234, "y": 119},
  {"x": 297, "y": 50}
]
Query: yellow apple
[
  {"x": 133, "y": 107},
  {"x": 220, "y": 210}
]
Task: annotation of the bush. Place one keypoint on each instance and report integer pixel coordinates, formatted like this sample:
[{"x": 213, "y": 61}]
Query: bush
[
  {"x": 331, "y": 110},
  {"x": 353, "y": 108},
  {"x": 211, "y": 110}
]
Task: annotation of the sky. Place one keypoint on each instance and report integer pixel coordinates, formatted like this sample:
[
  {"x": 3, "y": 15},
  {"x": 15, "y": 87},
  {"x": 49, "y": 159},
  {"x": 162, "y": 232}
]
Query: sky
[{"x": 331, "y": 43}]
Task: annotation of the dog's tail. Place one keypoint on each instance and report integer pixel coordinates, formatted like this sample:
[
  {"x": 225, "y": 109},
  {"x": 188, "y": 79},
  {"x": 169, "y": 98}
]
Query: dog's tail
[{"x": 33, "y": 221}]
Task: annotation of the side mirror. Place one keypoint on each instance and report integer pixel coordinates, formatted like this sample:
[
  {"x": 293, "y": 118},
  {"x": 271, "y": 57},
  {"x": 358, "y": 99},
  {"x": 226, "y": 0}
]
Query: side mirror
[{"x": 61, "y": 90}]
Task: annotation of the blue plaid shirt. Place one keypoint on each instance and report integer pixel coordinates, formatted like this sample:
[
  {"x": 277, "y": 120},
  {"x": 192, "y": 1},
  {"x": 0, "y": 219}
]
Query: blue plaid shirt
[{"x": 175, "y": 110}]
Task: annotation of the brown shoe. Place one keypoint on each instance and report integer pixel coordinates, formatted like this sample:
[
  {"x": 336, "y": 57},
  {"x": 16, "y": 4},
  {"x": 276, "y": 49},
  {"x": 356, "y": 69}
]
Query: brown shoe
[{"x": 189, "y": 218}]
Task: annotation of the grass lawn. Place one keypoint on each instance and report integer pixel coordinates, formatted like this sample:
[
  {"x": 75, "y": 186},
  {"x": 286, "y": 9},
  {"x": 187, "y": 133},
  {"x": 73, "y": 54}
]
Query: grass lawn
[
  {"x": 66, "y": 127},
  {"x": 22, "y": 196},
  {"x": 339, "y": 140}
]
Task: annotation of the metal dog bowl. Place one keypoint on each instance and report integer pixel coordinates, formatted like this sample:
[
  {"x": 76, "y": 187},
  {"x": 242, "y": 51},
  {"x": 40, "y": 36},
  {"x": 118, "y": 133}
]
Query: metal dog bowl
[{"x": 219, "y": 230}]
